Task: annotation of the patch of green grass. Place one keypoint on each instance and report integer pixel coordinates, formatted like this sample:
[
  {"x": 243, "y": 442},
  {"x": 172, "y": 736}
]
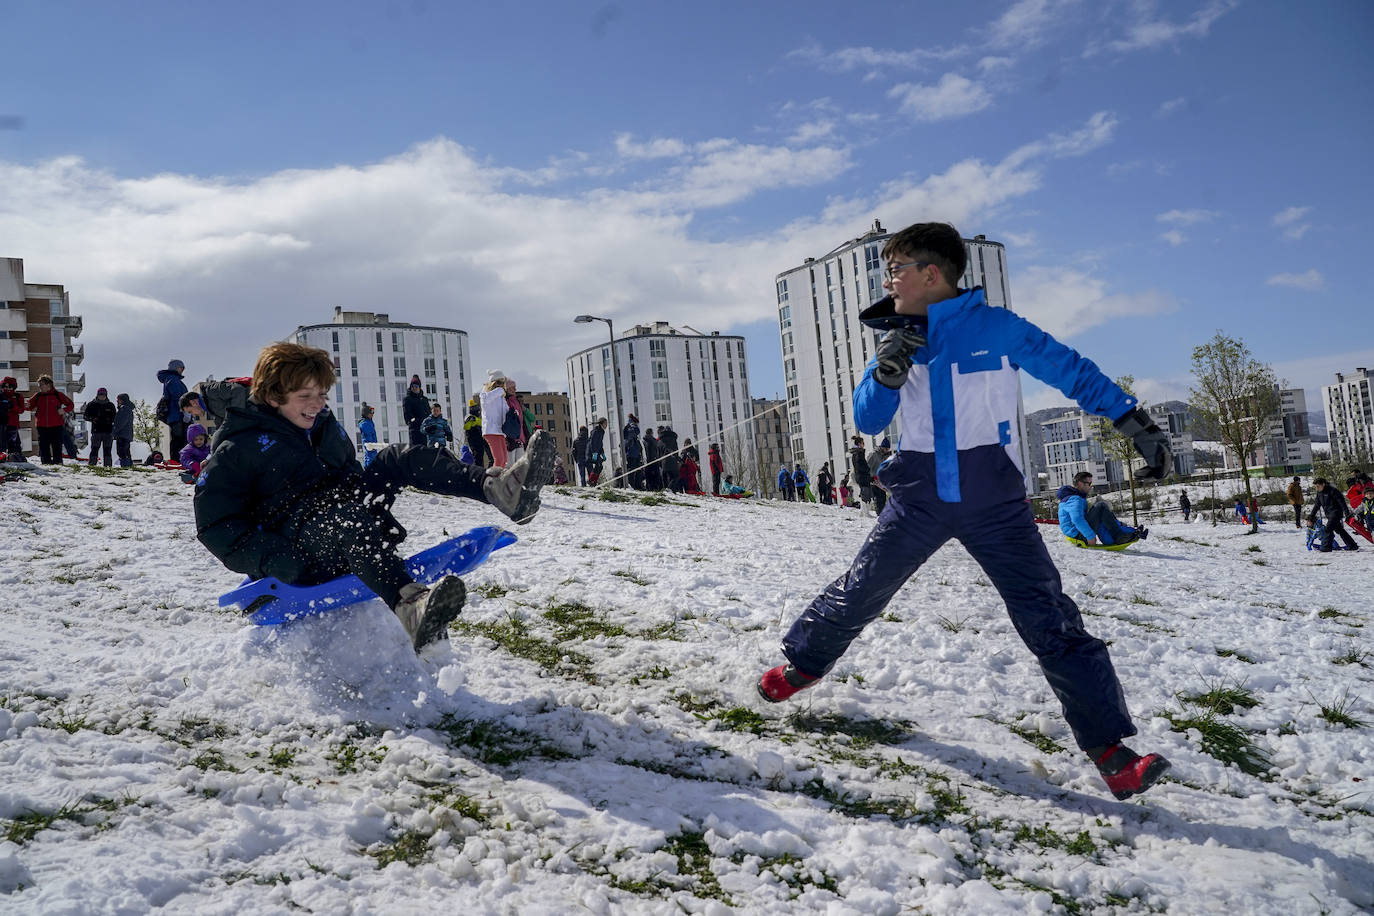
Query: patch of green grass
[
  {"x": 494, "y": 743},
  {"x": 462, "y": 805},
  {"x": 489, "y": 590},
  {"x": 349, "y": 755},
  {"x": 1260, "y": 562},
  {"x": 1046, "y": 838},
  {"x": 1353, "y": 657},
  {"x": 70, "y": 724},
  {"x": 38, "y": 497},
  {"x": 737, "y": 719},
  {"x": 694, "y": 861},
  {"x": 1327, "y": 613},
  {"x": 1253, "y": 548},
  {"x": 410, "y": 847},
  {"x": 28, "y": 825},
  {"x": 1042, "y": 741},
  {"x": 1238, "y": 656},
  {"x": 282, "y": 758},
  {"x": 1222, "y": 698},
  {"x": 794, "y": 872},
  {"x": 574, "y": 620},
  {"x": 632, "y": 576},
  {"x": 669, "y": 630},
  {"x": 611, "y": 496},
  {"x": 1141, "y": 599},
  {"x": 1147, "y": 625},
  {"x": 589, "y": 546},
  {"x": 1101, "y": 596},
  {"x": 953, "y": 624},
  {"x": 862, "y": 733},
  {"x": 1226, "y": 742},
  {"x": 212, "y": 759},
  {"x": 1338, "y": 712},
  {"x": 656, "y": 673},
  {"x": 514, "y": 635}
]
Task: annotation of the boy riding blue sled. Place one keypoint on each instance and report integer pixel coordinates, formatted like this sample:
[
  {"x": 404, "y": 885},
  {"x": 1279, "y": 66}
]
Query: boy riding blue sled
[
  {"x": 283, "y": 494},
  {"x": 947, "y": 366}
]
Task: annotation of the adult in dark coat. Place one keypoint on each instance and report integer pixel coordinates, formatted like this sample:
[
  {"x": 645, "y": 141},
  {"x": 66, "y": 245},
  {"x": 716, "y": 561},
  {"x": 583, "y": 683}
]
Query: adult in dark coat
[
  {"x": 863, "y": 475},
  {"x": 415, "y": 409},
  {"x": 653, "y": 470},
  {"x": 580, "y": 454},
  {"x": 825, "y": 483},
  {"x": 634, "y": 453},
  {"x": 100, "y": 413},
  {"x": 667, "y": 447},
  {"x": 596, "y": 452},
  {"x": 1329, "y": 505},
  {"x": 172, "y": 389},
  {"x": 124, "y": 430},
  {"x": 717, "y": 468}
]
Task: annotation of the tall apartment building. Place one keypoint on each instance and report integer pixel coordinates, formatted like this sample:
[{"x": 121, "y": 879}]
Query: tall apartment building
[
  {"x": 695, "y": 383},
  {"x": 375, "y": 357},
  {"x": 772, "y": 447},
  {"x": 553, "y": 412},
  {"x": 1072, "y": 444},
  {"x": 825, "y": 348},
  {"x": 1350, "y": 415},
  {"x": 1287, "y": 445},
  {"x": 37, "y": 337}
]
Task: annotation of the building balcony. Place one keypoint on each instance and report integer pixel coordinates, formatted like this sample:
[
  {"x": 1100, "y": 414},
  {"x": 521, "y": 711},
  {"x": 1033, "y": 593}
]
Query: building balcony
[
  {"x": 77, "y": 384},
  {"x": 76, "y": 354},
  {"x": 72, "y": 323}
]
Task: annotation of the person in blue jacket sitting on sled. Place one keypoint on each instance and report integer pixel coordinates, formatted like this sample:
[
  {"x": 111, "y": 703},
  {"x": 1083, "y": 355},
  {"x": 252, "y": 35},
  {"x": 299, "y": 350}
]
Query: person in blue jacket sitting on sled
[
  {"x": 1082, "y": 523},
  {"x": 282, "y": 493},
  {"x": 946, "y": 369}
]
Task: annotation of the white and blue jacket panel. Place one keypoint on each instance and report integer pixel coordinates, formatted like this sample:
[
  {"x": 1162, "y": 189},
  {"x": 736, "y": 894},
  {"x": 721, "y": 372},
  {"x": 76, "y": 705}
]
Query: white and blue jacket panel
[{"x": 959, "y": 403}]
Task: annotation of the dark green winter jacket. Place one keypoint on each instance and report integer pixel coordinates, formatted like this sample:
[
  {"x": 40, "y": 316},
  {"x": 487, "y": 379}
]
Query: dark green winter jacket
[{"x": 261, "y": 469}]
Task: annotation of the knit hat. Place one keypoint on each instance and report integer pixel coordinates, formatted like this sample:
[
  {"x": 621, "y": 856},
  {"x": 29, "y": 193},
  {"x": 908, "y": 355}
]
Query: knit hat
[
  {"x": 495, "y": 375},
  {"x": 176, "y": 365},
  {"x": 887, "y": 443},
  {"x": 195, "y": 429},
  {"x": 415, "y": 379},
  {"x": 8, "y": 382},
  {"x": 100, "y": 391}
]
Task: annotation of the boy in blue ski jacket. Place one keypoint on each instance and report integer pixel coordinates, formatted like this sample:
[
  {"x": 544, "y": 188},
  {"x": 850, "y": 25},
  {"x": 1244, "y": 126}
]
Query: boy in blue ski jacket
[
  {"x": 1078, "y": 521},
  {"x": 947, "y": 367}
]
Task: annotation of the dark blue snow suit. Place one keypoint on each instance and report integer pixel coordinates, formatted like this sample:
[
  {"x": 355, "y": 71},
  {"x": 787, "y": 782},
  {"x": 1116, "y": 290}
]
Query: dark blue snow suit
[{"x": 956, "y": 474}]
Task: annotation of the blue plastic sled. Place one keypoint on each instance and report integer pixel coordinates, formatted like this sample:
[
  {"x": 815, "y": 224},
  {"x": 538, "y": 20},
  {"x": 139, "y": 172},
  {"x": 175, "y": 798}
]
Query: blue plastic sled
[{"x": 268, "y": 602}]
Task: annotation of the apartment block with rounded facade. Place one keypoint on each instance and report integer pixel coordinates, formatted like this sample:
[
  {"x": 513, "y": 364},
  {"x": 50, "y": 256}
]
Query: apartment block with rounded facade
[
  {"x": 38, "y": 337},
  {"x": 825, "y": 348},
  {"x": 695, "y": 383},
  {"x": 375, "y": 358}
]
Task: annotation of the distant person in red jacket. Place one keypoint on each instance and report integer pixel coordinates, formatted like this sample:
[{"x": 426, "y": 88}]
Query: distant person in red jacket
[
  {"x": 12, "y": 404},
  {"x": 717, "y": 468},
  {"x": 49, "y": 407}
]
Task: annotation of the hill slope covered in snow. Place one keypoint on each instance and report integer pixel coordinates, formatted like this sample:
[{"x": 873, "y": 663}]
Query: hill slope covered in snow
[{"x": 591, "y": 739}]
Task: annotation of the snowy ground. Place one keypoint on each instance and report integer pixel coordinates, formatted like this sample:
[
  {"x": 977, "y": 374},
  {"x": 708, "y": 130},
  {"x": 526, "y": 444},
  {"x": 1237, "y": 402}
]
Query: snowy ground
[{"x": 592, "y": 742}]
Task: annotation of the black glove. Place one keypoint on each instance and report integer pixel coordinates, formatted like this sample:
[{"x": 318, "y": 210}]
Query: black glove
[
  {"x": 895, "y": 349},
  {"x": 1150, "y": 441}
]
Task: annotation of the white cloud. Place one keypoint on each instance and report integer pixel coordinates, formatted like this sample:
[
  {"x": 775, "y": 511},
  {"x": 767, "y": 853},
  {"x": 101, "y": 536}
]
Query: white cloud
[
  {"x": 812, "y": 131},
  {"x": 1065, "y": 302},
  {"x": 1094, "y": 134},
  {"x": 1290, "y": 221},
  {"x": 953, "y": 97},
  {"x": 1186, "y": 217},
  {"x": 1310, "y": 279},
  {"x": 210, "y": 269},
  {"x": 1170, "y": 107},
  {"x": 842, "y": 60},
  {"x": 1174, "y": 237},
  {"x": 992, "y": 64},
  {"x": 1148, "y": 32},
  {"x": 658, "y": 148},
  {"x": 1025, "y": 23}
]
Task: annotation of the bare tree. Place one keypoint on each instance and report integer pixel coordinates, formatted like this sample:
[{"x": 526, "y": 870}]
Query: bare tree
[
  {"x": 1235, "y": 401},
  {"x": 1122, "y": 448}
]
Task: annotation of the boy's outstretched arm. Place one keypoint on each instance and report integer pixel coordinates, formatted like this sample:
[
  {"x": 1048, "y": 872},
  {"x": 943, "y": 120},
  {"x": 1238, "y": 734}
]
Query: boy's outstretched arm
[{"x": 225, "y": 523}]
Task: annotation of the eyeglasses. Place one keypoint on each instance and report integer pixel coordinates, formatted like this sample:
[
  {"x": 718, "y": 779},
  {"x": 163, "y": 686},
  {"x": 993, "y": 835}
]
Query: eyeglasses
[{"x": 892, "y": 270}]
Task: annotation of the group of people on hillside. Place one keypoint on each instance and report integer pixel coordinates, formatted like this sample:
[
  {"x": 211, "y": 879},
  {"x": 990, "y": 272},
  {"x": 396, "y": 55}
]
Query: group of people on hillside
[
  {"x": 654, "y": 459},
  {"x": 111, "y": 423}
]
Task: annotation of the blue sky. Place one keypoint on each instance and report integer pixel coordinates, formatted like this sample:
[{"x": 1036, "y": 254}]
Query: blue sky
[{"x": 205, "y": 178}]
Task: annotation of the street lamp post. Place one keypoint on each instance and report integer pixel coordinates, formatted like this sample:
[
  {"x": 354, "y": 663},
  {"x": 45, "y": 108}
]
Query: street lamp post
[{"x": 615, "y": 381}]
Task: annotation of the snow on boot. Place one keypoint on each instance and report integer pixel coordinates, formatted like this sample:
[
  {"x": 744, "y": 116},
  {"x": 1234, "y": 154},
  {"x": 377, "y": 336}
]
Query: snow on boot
[
  {"x": 777, "y": 684},
  {"x": 426, "y": 612},
  {"x": 515, "y": 490},
  {"x": 1127, "y": 773}
]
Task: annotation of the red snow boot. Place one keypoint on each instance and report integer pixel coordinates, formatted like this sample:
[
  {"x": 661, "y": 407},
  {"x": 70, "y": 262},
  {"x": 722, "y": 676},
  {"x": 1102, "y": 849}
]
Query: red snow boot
[
  {"x": 777, "y": 684},
  {"x": 1127, "y": 773}
]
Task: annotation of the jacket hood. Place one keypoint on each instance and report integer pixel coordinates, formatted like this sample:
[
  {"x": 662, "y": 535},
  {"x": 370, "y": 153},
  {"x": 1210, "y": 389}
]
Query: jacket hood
[
  {"x": 1068, "y": 492},
  {"x": 195, "y": 429},
  {"x": 164, "y": 375},
  {"x": 883, "y": 315}
]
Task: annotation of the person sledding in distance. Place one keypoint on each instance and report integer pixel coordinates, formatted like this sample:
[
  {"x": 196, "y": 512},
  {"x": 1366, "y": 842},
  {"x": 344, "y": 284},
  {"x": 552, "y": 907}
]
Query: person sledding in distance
[
  {"x": 947, "y": 369},
  {"x": 282, "y": 494},
  {"x": 1084, "y": 526}
]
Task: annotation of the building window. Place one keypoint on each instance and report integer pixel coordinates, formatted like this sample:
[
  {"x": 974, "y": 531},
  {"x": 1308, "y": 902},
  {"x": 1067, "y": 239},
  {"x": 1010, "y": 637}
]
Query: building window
[
  {"x": 658, "y": 348},
  {"x": 428, "y": 344},
  {"x": 396, "y": 344},
  {"x": 399, "y": 364}
]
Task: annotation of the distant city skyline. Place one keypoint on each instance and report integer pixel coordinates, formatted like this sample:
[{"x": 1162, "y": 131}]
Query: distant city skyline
[{"x": 203, "y": 182}]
